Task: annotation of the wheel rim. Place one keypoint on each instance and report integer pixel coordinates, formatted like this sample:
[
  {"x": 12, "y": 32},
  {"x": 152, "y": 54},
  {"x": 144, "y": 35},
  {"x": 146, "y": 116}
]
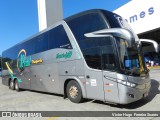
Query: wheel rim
[{"x": 73, "y": 91}]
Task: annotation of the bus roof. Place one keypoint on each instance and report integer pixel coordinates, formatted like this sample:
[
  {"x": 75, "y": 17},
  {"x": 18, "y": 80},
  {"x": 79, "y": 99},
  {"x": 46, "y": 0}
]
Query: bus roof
[{"x": 84, "y": 13}]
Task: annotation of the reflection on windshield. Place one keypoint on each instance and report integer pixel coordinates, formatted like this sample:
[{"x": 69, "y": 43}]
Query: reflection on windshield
[
  {"x": 124, "y": 24},
  {"x": 131, "y": 60}
]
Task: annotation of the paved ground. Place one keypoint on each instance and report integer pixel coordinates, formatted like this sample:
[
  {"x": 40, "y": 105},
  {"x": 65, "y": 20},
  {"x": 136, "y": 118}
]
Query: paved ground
[{"x": 36, "y": 101}]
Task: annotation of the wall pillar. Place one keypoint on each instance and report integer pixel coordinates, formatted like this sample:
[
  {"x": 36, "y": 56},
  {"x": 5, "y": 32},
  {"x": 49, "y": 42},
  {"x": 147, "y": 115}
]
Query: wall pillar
[{"x": 49, "y": 12}]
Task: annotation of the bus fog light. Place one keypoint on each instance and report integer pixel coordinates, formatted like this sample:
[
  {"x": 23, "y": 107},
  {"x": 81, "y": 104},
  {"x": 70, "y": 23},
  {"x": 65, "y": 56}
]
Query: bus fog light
[{"x": 131, "y": 95}]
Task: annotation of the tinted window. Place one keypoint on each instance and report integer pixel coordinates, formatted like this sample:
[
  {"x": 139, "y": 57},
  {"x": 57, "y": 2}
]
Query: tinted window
[
  {"x": 100, "y": 55},
  {"x": 59, "y": 38},
  {"x": 55, "y": 38},
  {"x": 108, "y": 58},
  {"x": 116, "y": 21},
  {"x": 93, "y": 57},
  {"x": 85, "y": 24},
  {"x": 94, "y": 42},
  {"x": 29, "y": 47},
  {"x": 11, "y": 53},
  {"x": 112, "y": 19},
  {"x": 5, "y": 58},
  {"x": 9, "y": 56},
  {"x": 41, "y": 43}
]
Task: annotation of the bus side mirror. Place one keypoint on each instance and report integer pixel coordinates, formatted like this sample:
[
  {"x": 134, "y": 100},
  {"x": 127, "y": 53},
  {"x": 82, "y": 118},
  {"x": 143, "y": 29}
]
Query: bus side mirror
[
  {"x": 116, "y": 32},
  {"x": 154, "y": 43}
]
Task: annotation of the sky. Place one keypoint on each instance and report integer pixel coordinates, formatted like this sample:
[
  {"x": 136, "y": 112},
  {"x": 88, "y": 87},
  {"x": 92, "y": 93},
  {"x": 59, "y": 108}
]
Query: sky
[{"x": 19, "y": 18}]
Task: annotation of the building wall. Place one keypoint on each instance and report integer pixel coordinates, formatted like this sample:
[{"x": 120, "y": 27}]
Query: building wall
[{"x": 142, "y": 15}]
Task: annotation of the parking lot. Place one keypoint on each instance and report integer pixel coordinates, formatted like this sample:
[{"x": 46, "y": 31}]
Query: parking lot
[{"x": 37, "y": 101}]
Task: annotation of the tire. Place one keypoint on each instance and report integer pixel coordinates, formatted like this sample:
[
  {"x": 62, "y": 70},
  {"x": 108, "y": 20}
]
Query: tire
[
  {"x": 74, "y": 92},
  {"x": 11, "y": 85},
  {"x": 17, "y": 86}
]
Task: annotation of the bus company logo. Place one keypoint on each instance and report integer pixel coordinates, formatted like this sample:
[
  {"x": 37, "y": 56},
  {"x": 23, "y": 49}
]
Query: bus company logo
[
  {"x": 37, "y": 61},
  {"x": 22, "y": 61},
  {"x": 64, "y": 55}
]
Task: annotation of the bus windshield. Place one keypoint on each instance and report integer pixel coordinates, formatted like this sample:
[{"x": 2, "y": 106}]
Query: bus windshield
[
  {"x": 117, "y": 21},
  {"x": 131, "y": 59}
]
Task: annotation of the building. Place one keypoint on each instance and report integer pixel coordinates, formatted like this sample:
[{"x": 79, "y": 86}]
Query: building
[
  {"x": 144, "y": 18},
  {"x": 49, "y": 12}
]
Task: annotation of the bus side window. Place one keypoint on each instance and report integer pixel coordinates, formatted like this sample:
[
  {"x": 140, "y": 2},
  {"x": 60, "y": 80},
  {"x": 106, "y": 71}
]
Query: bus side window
[
  {"x": 58, "y": 38},
  {"x": 29, "y": 47},
  {"x": 41, "y": 43},
  {"x": 108, "y": 58},
  {"x": 4, "y": 59},
  {"x": 85, "y": 24},
  {"x": 93, "y": 57}
]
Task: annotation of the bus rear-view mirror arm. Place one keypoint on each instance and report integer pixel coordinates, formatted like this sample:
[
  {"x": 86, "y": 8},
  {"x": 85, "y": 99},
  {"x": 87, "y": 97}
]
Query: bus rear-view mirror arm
[
  {"x": 154, "y": 43},
  {"x": 116, "y": 32}
]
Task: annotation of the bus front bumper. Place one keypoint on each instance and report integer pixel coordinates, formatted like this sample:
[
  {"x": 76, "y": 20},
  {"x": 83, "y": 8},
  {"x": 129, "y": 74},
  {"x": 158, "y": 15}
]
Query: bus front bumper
[{"x": 128, "y": 95}]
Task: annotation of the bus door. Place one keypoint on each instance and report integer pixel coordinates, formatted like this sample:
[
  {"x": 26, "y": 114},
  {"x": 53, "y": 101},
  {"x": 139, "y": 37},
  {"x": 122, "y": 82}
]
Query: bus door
[
  {"x": 93, "y": 73},
  {"x": 109, "y": 73},
  {"x": 101, "y": 75}
]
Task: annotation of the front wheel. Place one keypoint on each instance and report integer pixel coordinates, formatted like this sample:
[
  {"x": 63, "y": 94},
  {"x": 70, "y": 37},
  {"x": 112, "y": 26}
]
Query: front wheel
[{"x": 74, "y": 92}]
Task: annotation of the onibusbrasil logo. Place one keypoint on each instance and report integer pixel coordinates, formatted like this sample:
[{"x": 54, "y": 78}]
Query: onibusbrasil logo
[{"x": 23, "y": 61}]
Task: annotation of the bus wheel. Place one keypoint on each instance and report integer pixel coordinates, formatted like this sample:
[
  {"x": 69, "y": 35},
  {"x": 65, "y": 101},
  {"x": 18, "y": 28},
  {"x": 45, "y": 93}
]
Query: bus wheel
[
  {"x": 11, "y": 85},
  {"x": 74, "y": 92},
  {"x": 17, "y": 86}
]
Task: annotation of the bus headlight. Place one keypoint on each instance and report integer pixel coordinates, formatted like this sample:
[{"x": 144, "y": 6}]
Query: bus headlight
[
  {"x": 133, "y": 85},
  {"x": 123, "y": 82}
]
